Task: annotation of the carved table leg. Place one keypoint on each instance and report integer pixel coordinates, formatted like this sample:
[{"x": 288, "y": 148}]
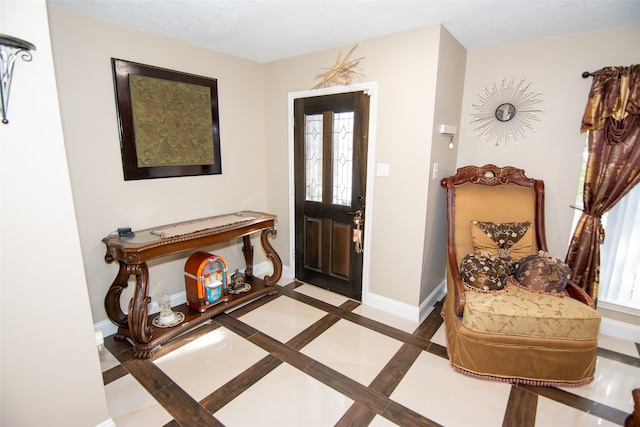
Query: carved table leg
[
  {"x": 247, "y": 250},
  {"x": 272, "y": 255},
  {"x": 138, "y": 306},
  {"x": 112, "y": 299}
]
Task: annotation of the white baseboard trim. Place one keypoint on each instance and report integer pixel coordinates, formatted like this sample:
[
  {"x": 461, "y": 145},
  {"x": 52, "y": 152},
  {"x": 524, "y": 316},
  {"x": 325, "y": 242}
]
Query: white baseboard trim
[
  {"x": 107, "y": 423},
  {"x": 287, "y": 272},
  {"x": 427, "y": 305},
  {"x": 266, "y": 267},
  {"x": 618, "y": 329},
  {"x": 406, "y": 311},
  {"x": 108, "y": 328},
  {"x": 394, "y": 307}
]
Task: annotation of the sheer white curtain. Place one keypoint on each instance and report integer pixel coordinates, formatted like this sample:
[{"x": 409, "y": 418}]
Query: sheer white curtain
[{"x": 620, "y": 253}]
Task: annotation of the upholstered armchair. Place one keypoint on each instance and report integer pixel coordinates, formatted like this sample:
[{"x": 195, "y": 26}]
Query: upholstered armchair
[{"x": 537, "y": 329}]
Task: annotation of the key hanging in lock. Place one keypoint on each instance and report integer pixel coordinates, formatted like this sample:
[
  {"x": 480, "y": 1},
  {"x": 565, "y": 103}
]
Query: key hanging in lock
[{"x": 357, "y": 231}]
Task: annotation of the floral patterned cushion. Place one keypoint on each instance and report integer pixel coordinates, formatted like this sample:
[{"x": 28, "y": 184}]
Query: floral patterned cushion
[
  {"x": 542, "y": 273},
  {"x": 510, "y": 240},
  {"x": 518, "y": 311},
  {"x": 482, "y": 272}
]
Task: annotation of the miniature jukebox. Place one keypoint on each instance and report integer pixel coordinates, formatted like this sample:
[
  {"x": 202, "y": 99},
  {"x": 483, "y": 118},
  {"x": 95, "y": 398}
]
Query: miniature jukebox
[{"x": 205, "y": 277}]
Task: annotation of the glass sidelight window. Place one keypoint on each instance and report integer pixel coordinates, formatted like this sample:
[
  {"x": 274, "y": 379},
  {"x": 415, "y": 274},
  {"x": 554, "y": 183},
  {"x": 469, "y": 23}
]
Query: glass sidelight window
[
  {"x": 342, "y": 158},
  {"x": 313, "y": 157}
]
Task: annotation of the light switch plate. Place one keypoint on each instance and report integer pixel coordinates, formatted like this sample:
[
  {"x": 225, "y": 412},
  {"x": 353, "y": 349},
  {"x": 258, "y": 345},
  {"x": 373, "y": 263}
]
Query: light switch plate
[{"x": 382, "y": 169}]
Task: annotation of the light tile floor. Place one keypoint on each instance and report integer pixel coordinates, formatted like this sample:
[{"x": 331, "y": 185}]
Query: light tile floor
[
  {"x": 283, "y": 318},
  {"x": 285, "y": 397},
  {"x": 291, "y": 395},
  {"x": 612, "y": 384},
  {"x": 218, "y": 357},
  {"x": 552, "y": 413},
  {"x": 484, "y": 401},
  {"x": 130, "y": 404},
  {"x": 353, "y": 350}
]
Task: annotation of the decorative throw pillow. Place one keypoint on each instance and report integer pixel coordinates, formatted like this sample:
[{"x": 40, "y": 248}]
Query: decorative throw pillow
[
  {"x": 482, "y": 272},
  {"x": 543, "y": 273},
  {"x": 511, "y": 240}
]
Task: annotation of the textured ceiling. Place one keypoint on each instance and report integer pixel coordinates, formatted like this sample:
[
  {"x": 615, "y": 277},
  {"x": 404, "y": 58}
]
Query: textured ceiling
[{"x": 268, "y": 30}]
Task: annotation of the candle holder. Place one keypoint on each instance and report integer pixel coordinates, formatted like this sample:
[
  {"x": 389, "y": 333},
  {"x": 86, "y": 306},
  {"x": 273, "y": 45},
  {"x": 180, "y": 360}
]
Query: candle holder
[{"x": 167, "y": 317}]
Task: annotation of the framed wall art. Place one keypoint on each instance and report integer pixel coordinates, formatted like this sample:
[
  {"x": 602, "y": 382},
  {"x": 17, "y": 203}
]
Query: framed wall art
[{"x": 168, "y": 122}]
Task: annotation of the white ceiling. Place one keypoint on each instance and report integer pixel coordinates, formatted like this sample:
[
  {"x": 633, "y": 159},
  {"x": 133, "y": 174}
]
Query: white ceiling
[{"x": 268, "y": 30}]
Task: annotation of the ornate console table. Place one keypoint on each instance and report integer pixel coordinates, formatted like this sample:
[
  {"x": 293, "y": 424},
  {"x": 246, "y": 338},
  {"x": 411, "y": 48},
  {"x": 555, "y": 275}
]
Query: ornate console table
[{"x": 133, "y": 252}]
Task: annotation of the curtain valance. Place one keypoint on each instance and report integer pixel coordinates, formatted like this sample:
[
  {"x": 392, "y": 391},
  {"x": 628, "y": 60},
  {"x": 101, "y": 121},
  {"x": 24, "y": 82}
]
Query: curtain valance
[{"x": 615, "y": 93}]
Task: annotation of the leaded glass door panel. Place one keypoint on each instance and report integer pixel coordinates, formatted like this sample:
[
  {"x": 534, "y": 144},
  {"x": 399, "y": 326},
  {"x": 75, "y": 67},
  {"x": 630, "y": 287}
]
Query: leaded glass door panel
[{"x": 330, "y": 149}]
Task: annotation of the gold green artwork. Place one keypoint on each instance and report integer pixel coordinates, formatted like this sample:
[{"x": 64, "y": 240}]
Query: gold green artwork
[{"x": 172, "y": 122}]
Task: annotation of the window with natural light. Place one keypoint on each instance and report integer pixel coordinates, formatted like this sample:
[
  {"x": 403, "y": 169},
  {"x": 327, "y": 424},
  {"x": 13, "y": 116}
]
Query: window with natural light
[{"x": 620, "y": 253}]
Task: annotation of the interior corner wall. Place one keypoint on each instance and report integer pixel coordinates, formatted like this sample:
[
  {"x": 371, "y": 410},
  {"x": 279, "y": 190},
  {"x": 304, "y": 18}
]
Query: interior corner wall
[
  {"x": 554, "y": 151},
  {"x": 405, "y": 67},
  {"x": 49, "y": 365},
  {"x": 448, "y": 105},
  {"x": 83, "y": 47}
]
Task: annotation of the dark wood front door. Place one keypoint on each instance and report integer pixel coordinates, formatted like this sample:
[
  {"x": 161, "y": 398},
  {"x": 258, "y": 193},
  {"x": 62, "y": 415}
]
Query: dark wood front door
[{"x": 330, "y": 152}]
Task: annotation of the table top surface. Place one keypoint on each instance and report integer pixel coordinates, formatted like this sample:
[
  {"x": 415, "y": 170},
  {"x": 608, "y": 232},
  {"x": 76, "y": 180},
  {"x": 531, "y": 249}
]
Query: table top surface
[{"x": 146, "y": 236}]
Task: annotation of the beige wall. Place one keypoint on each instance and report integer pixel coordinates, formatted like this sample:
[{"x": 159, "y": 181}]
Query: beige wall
[
  {"x": 406, "y": 69},
  {"x": 50, "y": 369},
  {"x": 424, "y": 78},
  {"x": 554, "y": 152},
  {"x": 448, "y": 102},
  {"x": 83, "y": 48}
]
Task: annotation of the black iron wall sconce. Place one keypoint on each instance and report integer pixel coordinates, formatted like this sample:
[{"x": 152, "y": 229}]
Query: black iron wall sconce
[{"x": 10, "y": 48}]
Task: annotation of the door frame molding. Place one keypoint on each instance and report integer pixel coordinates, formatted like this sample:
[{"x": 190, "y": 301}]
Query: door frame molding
[{"x": 371, "y": 89}]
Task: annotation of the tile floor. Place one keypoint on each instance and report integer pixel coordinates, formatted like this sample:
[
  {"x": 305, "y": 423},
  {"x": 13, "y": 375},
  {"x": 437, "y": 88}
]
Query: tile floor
[{"x": 308, "y": 357}]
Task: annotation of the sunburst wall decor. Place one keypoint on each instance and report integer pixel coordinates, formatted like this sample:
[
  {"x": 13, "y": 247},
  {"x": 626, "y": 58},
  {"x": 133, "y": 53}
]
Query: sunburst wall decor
[{"x": 506, "y": 111}]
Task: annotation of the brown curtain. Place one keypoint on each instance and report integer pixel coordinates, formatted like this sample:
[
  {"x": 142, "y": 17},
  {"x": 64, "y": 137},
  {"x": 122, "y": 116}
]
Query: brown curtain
[{"x": 612, "y": 118}]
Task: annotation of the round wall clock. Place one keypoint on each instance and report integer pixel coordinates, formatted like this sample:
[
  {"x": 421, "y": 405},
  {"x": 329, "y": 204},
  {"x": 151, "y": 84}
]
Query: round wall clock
[{"x": 505, "y": 112}]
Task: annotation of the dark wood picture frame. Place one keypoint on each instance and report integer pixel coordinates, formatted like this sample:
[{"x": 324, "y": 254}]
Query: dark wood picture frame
[{"x": 130, "y": 148}]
